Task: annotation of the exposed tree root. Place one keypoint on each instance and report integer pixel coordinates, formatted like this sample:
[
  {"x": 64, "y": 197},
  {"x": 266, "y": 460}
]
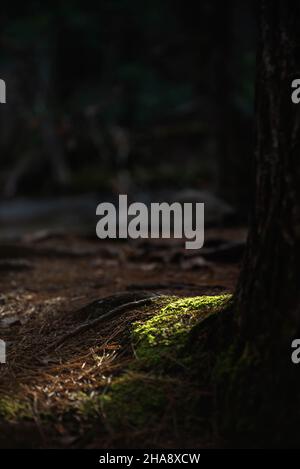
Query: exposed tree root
[{"x": 110, "y": 314}]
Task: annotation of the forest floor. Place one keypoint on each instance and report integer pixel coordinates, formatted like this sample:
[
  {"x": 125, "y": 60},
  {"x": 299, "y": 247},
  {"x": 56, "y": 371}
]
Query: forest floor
[{"x": 84, "y": 389}]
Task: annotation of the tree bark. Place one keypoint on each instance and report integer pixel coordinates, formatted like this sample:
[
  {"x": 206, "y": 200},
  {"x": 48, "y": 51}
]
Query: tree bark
[
  {"x": 257, "y": 385},
  {"x": 268, "y": 293}
]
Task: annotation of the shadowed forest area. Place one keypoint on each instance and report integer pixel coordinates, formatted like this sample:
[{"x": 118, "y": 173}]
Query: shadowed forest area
[{"x": 140, "y": 343}]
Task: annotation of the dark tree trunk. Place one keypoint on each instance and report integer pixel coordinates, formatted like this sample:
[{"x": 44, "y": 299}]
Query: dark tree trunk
[
  {"x": 268, "y": 294},
  {"x": 257, "y": 385}
]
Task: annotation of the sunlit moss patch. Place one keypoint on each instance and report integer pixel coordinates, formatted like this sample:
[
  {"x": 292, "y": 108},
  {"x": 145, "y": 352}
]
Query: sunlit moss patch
[{"x": 166, "y": 333}]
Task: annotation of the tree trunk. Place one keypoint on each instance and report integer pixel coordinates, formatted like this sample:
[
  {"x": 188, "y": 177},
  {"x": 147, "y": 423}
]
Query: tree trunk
[
  {"x": 257, "y": 385},
  {"x": 268, "y": 294}
]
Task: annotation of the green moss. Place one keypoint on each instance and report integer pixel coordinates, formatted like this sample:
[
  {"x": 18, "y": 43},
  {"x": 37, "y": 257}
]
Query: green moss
[
  {"x": 142, "y": 394},
  {"x": 12, "y": 409},
  {"x": 142, "y": 401},
  {"x": 162, "y": 337},
  {"x": 176, "y": 319},
  {"x": 131, "y": 400},
  {"x": 134, "y": 400},
  {"x": 160, "y": 384}
]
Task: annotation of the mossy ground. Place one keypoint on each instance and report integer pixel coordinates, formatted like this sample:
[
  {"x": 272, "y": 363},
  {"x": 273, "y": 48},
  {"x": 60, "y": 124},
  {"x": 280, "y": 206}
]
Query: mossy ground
[
  {"x": 12, "y": 409},
  {"x": 159, "y": 341},
  {"x": 158, "y": 391},
  {"x": 159, "y": 382}
]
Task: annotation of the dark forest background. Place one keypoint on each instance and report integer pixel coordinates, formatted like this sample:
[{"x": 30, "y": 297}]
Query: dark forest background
[{"x": 127, "y": 96}]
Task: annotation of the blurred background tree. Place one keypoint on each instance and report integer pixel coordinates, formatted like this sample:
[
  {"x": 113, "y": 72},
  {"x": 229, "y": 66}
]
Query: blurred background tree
[{"x": 127, "y": 95}]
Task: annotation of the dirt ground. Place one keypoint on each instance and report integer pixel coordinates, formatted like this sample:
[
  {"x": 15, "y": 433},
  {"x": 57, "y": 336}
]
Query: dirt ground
[{"x": 48, "y": 286}]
